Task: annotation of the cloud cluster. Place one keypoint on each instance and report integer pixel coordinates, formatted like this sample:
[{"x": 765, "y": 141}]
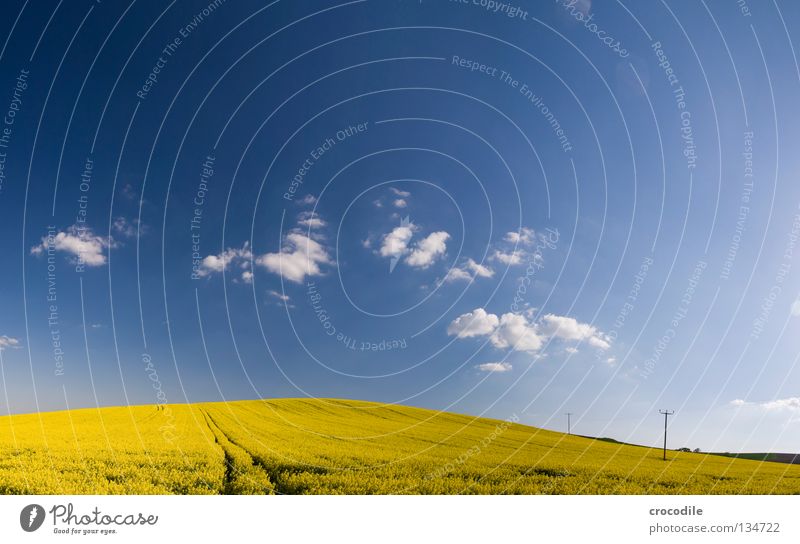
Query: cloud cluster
[
  {"x": 518, "y": 333},
  {"x": 516, "y": 248},
  {"x": 521, "y": 247},
  {"x": 80, "y": 243},
  {"x": 214, "y": 264},
  {"x": 301, "y": 254},
  {"x": 399, "y": 199},
  {"x": 397, "y": 245}
]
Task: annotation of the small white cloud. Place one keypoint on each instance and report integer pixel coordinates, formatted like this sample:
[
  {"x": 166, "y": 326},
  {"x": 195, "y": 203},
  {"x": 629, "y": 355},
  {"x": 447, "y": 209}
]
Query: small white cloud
[
  {"x": 377, "y": 203},
  {"x": 399, "y": 203},
  {"x": 525, "y": 236},
  {"x": 428, "y": 250},
  {"x": 475, "y": 323},
  {"x": 457, "y": 274},
  {"x": 310, "y": 220},
  {"x": 308, "y": 200},
  {"x": 479, "y": 270},
  {"x": 611, "y": 361},
  {"x": 512, "y": 258},
  {"x": 280, "y": 296},
  {"x": 398, "y": 192},
  {"x": 8, "y": 342},
  {"x": 495, "y": 367},
  {"x": 79, "y": 242},
  {"x": 247, "y": 276},
  {"x": 299, "y": 257},
  {"x": 571, "y": 350}
]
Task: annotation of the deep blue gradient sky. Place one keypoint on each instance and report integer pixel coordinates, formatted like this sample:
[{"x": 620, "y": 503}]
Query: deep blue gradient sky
[{"x": 533, "y": 220}]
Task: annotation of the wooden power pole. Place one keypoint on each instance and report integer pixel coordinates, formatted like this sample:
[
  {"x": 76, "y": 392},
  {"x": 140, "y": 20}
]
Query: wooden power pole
[{"x": 666, "y": 413}]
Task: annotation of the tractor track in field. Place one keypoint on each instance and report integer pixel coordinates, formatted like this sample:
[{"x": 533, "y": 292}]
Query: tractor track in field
[
  {"x": 232, "y": 471},
  {"x": 228, "y": 477}
]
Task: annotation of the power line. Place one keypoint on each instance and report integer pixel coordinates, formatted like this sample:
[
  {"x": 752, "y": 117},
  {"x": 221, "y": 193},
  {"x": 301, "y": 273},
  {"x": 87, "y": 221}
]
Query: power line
[{"x": 666, "y": 413}]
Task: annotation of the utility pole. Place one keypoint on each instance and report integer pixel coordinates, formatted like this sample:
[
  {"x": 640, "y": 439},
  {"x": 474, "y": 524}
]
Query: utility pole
[
  {"x": 569, "y": 423},
  {"x": 666, "y": 413}
]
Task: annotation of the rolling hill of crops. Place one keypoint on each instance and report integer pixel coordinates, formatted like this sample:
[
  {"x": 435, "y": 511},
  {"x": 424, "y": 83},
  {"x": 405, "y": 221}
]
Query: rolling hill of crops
[{"x": 337, "y": 446}]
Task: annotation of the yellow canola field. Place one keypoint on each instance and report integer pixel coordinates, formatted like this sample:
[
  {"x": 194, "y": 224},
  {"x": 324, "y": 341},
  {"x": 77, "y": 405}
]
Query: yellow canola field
[{"x": 295, "y": 446}]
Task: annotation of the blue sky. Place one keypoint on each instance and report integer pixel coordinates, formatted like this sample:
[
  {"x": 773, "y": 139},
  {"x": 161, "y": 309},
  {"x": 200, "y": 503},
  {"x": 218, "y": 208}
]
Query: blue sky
[{"x": 586, "y": 207}]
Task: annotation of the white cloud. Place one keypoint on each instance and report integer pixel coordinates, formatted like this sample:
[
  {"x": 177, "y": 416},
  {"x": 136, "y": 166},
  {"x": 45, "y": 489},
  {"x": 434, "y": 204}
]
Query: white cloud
[
  {"x": 522, "y": 250},
  {"x": 395, "y": 244},
  {"x": 399, "y": 203},
  {"x": 457, "y": 274},
  {"x": 310, "y": 220},
  {"x": 568, "y": 328},
  {"x": 475, "y": 323},
  {"x": 217, "y": 263},
  {"x": 81, "y": 243},
  {"x": 512, "y": 258},
  {"x": 479, "y": 270},
  {"x": 517, "y": 333},
  {"x": 377, "y": 203},
  {"x": 520, "y": 333},
  {"x": 495, "y": 367},
  {"x": 299, "y": 257},
  {"x": 790, "y": 404},
  {"x": 525, "y": 236},
  {"x": 125, "y": 228},
  {"x": 468, "y": 272},
  {"x": 279, "y": 296},
  {"x": 571, "y": 350},
  {"x": 428, "y": 250},
  {"x": 8, "y": 342},
  {"x": 398, "y": 192},
  {"x": 308, "y": 200}
]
